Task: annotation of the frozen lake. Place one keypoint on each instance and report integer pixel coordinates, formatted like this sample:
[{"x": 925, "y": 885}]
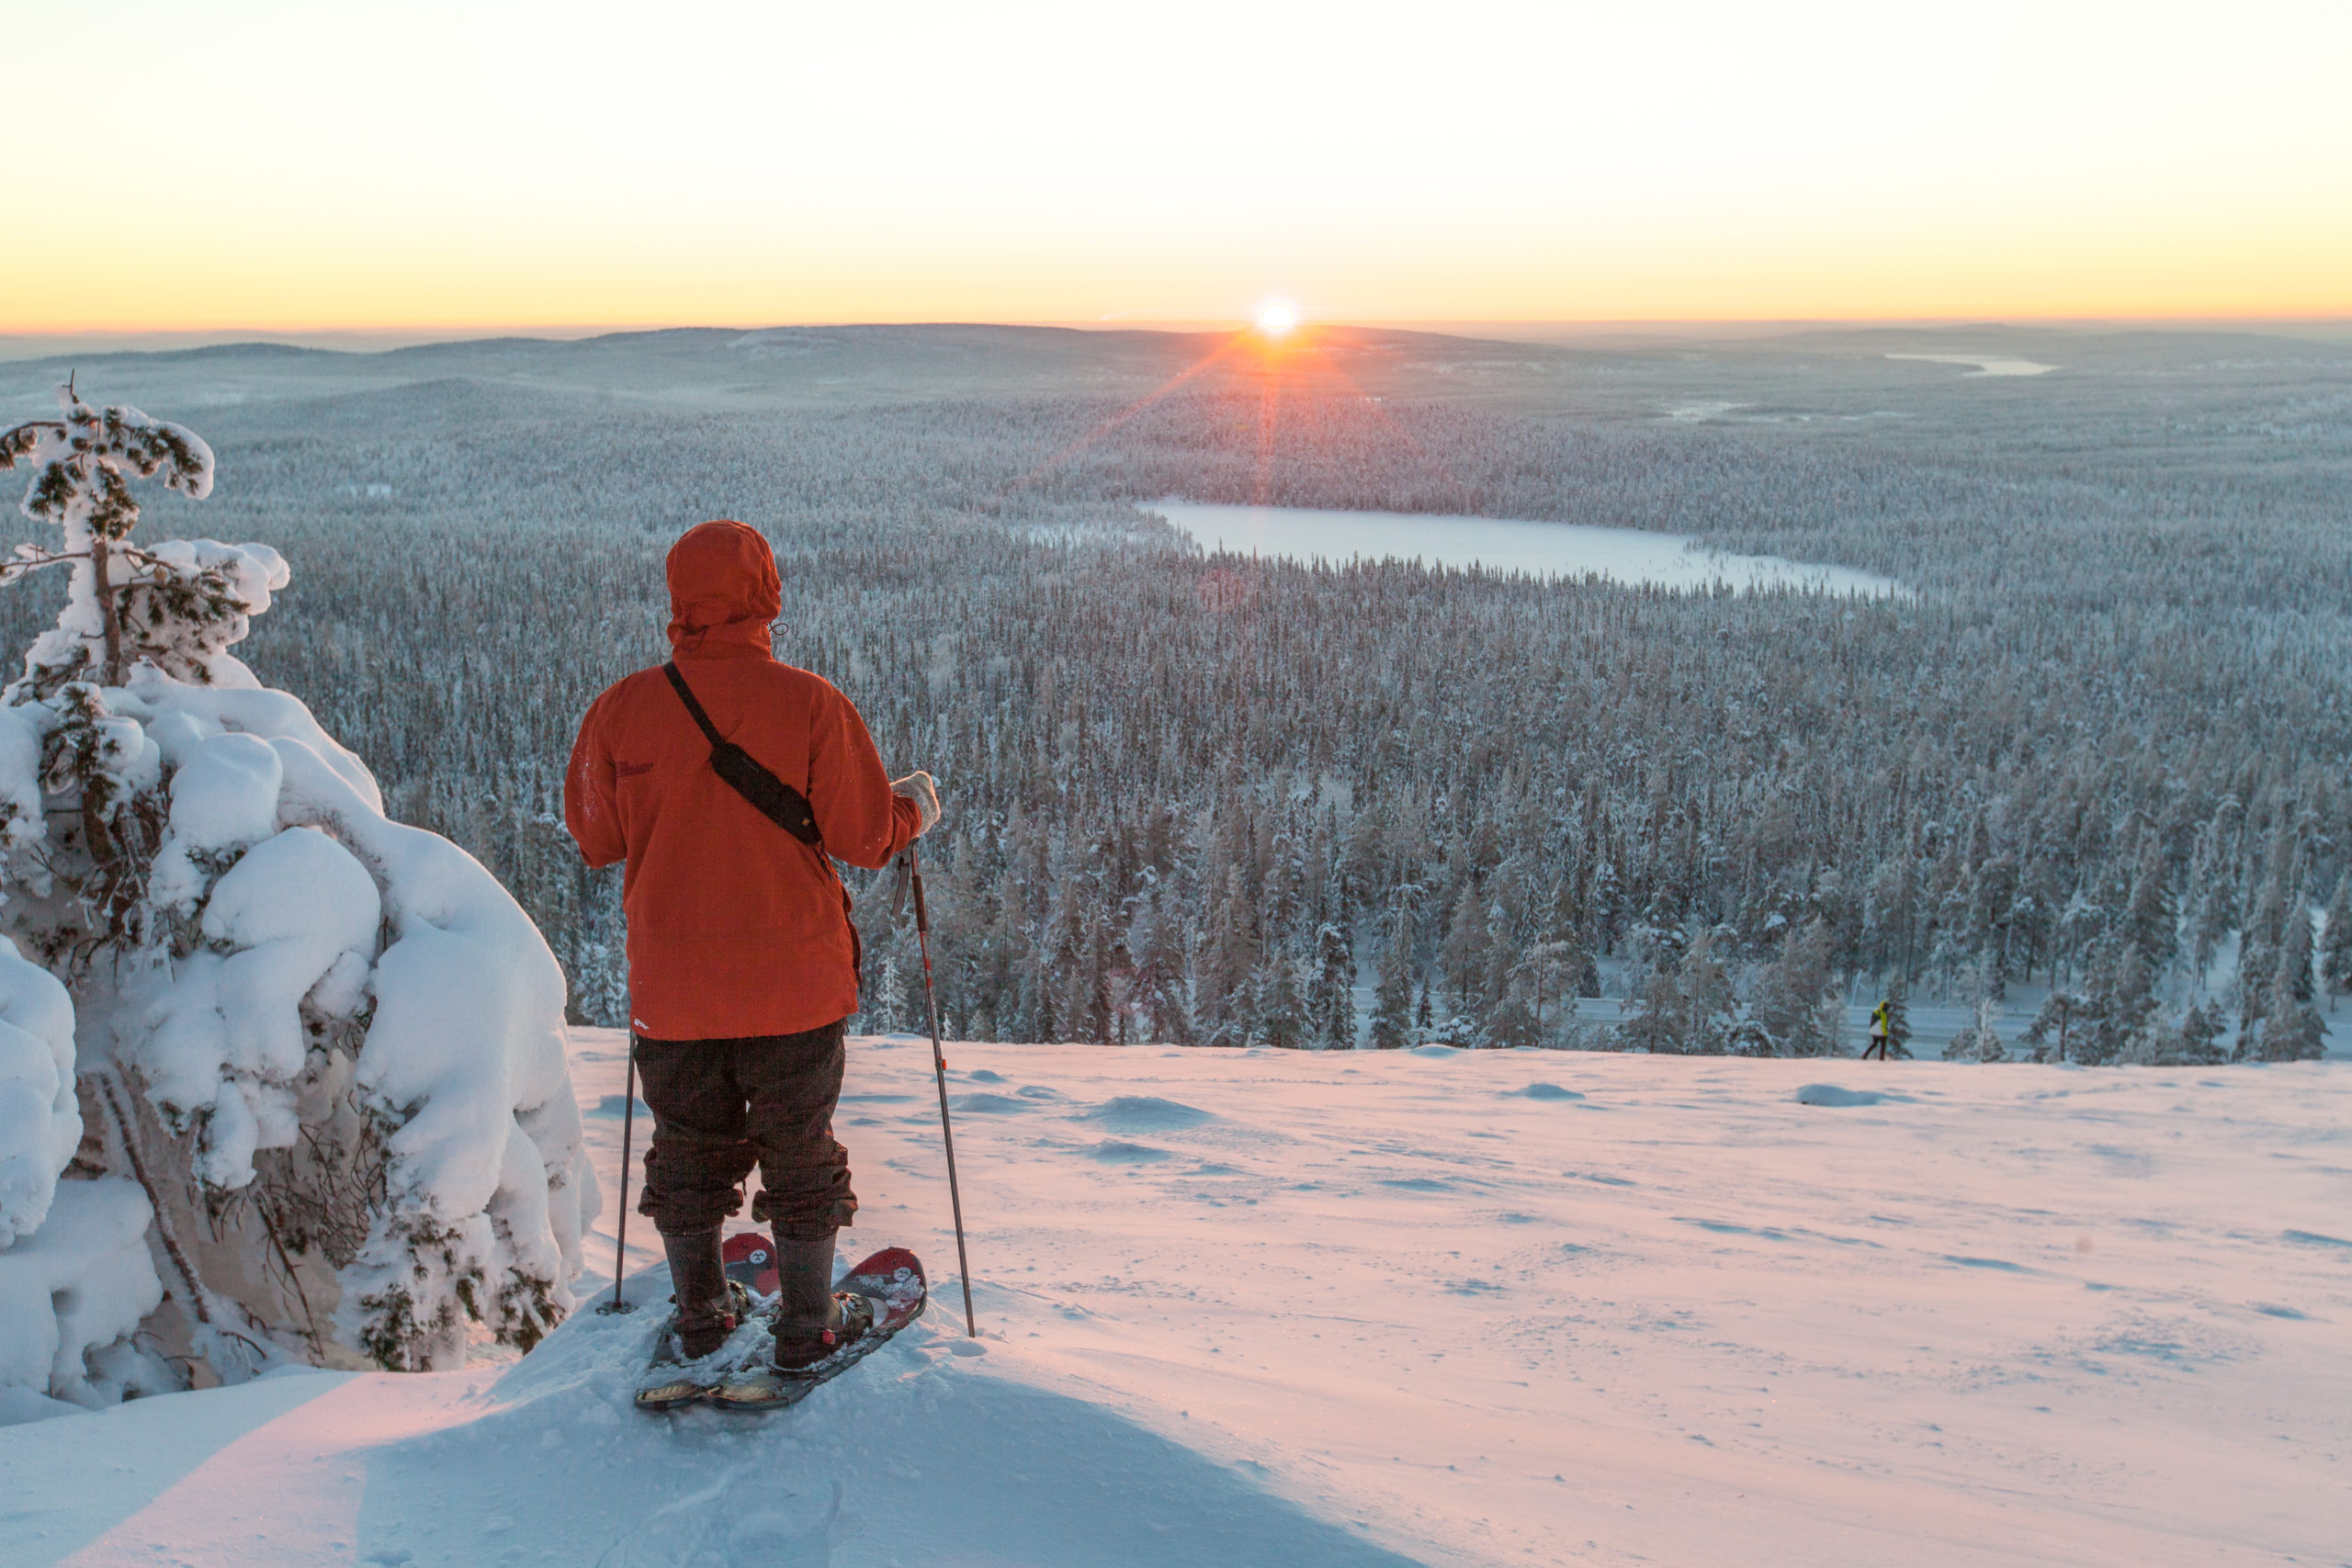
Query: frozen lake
[
  {"x": 1986, "y": 364},
  {"x": 1546, "y": 549}
]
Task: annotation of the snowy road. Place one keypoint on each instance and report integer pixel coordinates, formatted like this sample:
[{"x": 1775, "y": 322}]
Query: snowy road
[{"x": 1376, "y": 1309}]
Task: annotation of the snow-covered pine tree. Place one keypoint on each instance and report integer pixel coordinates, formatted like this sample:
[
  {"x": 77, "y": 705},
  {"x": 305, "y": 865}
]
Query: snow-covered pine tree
[
  {"x": 1549, "y": 971},
  {"x": 1993, "y": 899},
  {"x": 1796, "y": 1000},
  {"x": 1392, "y": 995},
  {"x": 2119, "y": 1006},
  {"x": 2335, "y": 942},
  {"x": 321, "y": 1054},
  {"x": 2295, "y": 953},
  {"x": 2034, "y": 916},
  {"x": 1156, "y": 991},
  {"x": 2290, "y": 1030},
  {"x": 1657, "y": 1010},
  {"x": 1095, "y": 992},
  {"x": 1462, "y": 954},
  {"x": 123, "y": 602},
  {"x": 1332, "y": 998},
  {"x": 2258, "y": 951},
  {"x": 886, "y": 1011},
  {"x": 1587, "y": 969},
  {"x": 1506, "y": 999},
  {"x": 2192, "y": 1039},
  {"x": 1229, "y": 960},
  {"x": 2200, "y": 1036},
  {"x": 1978, "y": 1041},
  {"x": 1278, "y": 1014},
  {"x": 1711, "y": 1002},
  {"x": 2048, "y": 1036},
  {"x": 2149, "y": 922},
  {"x": 1509, "y": 1020},
  {"x": 2216, "y": 913},
  {"x": 1685, "y": 1005}
]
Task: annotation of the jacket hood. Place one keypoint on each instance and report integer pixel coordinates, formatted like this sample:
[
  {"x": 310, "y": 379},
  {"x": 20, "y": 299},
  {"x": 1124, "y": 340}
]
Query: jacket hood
[{"x": 723, "y": 590}]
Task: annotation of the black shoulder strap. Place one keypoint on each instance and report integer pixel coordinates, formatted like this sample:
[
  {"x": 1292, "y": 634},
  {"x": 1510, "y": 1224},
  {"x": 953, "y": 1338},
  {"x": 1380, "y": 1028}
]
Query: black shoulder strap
[
  {"x": 748, "y": 776},
  {"x": 687, "y": 695}
]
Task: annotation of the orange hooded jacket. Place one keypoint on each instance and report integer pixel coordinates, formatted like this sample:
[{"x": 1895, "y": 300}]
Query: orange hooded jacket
[{"x": 735, "y": 927}]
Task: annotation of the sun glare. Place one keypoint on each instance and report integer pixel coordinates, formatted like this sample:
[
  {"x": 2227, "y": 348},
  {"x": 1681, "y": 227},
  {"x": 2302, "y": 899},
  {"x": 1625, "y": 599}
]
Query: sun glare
[{"x": 1277, "y": 317}]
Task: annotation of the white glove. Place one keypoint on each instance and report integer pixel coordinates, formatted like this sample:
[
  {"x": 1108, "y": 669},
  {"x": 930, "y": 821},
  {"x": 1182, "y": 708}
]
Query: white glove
[{"x": 918, "y": 788}]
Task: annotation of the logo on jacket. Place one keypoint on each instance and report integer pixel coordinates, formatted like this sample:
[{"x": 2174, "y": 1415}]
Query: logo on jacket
[{"x": 631, "y": 770}]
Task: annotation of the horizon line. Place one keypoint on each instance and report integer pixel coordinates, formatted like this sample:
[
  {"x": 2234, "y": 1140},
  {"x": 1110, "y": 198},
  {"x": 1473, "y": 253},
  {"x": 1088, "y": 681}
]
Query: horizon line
[
  {"x": 1131, "y": 319},
  {"x": 384, "y": 338}
]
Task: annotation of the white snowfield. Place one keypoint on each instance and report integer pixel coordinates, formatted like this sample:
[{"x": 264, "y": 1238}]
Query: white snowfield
[{"x": 1376, "y": 1309}]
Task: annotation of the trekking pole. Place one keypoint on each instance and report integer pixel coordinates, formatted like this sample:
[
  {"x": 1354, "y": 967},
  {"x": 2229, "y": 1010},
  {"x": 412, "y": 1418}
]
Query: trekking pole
[
  {"x": 620, "y": 1240},
  {"x": 939, "y": 1072}
]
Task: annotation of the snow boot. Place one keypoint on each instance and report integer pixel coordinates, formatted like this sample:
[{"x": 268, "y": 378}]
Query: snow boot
[
  {"x": 811, "y": 1322},
  {"x": 803, "y": 1287},
  {"x": 847, "y": 1317},
  {"x": 885, "y": 1293},
  {"x": 709, "y": 1305},
  {"x": 707, "y": 1308},
  {"x": 801, "y": 1364},
  {"x": 808, "y": 1324}
]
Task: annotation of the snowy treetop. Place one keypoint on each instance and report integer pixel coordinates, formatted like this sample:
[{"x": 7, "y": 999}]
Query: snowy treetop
[{"x": 79, "y": 461}]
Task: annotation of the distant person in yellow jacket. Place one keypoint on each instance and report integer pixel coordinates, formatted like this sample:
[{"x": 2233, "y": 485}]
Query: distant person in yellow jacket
[{"x": 1881, "y": 1030}]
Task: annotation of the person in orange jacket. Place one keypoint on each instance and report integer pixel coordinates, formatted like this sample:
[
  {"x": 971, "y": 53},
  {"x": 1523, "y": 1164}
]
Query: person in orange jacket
[{"x": 743, "y": 961}]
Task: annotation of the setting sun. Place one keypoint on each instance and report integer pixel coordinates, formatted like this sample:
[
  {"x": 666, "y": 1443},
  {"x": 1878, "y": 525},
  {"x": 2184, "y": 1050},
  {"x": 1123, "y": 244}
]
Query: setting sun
[{"x": 1277, "y": 317}]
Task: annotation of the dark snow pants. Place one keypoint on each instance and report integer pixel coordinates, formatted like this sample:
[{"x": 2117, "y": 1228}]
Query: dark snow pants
[{"x": 721, "y": 1106}]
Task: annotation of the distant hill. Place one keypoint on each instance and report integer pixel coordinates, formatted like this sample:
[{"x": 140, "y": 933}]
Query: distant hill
[{"x": 1795, "y": 381}]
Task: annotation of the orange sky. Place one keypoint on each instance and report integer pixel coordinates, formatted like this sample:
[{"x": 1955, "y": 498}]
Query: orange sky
[{"x": 466, "y": 167}]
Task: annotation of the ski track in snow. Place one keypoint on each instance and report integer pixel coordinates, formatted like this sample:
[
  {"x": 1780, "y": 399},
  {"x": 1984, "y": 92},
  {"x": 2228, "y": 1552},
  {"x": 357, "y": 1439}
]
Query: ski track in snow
[{"x": 1369, "y": 1309}]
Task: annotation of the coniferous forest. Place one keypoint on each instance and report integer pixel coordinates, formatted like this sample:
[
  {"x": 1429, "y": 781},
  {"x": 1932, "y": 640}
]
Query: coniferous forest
[{"x": 2099, "y": 747}]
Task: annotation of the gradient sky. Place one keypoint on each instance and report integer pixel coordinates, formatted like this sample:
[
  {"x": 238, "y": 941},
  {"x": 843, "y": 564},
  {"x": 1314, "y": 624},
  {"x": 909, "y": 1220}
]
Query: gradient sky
[{"x": 469, "y": 165}]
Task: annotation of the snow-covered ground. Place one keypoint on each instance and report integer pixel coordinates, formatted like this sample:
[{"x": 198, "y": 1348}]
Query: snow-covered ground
[{"x": 1385, "y": 1308}]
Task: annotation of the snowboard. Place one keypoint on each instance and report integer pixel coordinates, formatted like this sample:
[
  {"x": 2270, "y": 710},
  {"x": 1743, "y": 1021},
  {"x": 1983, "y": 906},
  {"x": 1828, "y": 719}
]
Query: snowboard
[{"x": 892, "y": 1276}]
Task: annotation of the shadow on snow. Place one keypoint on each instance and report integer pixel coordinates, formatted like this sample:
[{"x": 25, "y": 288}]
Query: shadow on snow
[{"x": 920, "y": 1456}]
